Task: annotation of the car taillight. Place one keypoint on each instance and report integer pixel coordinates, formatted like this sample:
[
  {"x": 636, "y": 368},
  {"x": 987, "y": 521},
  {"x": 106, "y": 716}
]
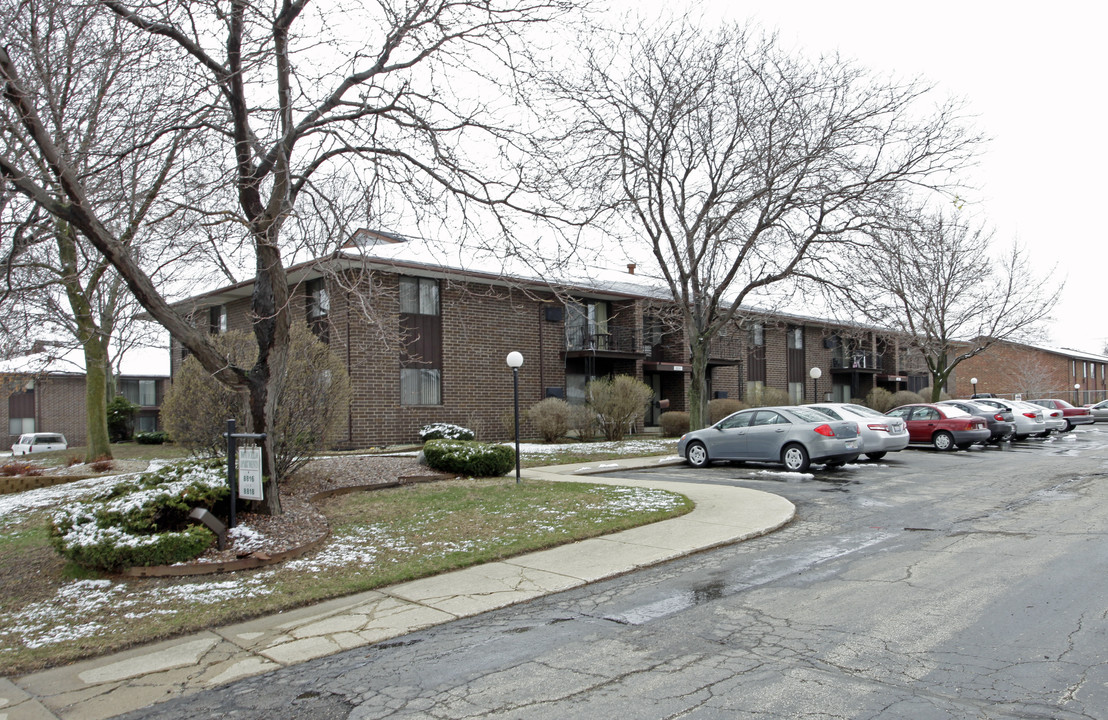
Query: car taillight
[
  {"x": 1030, "y": 415},
  {"x": 825, "y": 430},
  {"x": 999, "y": 417},
  {"x": 878, "y": 426}
]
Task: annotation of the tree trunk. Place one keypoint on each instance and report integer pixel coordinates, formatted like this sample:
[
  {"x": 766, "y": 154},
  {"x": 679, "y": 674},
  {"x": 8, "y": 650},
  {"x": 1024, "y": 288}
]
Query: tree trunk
[
  {"x": 96, "y": 403},
  {"x": 698, "y": 386}
]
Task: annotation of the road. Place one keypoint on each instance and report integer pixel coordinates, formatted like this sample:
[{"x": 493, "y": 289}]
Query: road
[{"x": 926, "y": 585}]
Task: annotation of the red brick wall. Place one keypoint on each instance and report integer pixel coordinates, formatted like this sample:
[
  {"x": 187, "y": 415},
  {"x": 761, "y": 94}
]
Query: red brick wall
[{"x": 1006, "y": 369}]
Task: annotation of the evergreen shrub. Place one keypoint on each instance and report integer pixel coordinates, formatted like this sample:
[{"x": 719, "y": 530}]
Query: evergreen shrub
[
  {"x": 465, "y": 457},
  {"x": 445, "y": 431},
  {"x": 142, "y": 521}
]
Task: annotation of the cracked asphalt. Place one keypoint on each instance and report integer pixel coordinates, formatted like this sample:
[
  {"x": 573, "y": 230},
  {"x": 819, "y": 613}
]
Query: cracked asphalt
[{"x": 926, "y": 585}]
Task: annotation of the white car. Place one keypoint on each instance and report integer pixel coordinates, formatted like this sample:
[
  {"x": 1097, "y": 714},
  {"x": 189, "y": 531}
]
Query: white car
[
  {"x": 1028, "y": 418},
  {"x": 1054, "y": 418},
  {"x": 39, "y": 442},
  {"x": 880, "y": 434}
]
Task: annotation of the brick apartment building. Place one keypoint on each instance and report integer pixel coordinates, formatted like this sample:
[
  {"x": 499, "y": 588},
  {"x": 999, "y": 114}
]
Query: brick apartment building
[
  {"x": 1033, "y": 371},
  {"x": 424, "y": 331},
  {"x": 45, "y": 391}
]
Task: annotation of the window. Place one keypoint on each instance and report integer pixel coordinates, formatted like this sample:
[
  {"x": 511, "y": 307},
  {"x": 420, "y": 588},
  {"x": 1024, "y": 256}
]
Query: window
[
  {"x": 217, "y": 319},
  {"x": 758, "y": 335},
  {"x": 587, "y": 325},
  {"x": 795, "y": 338},
  {"x": 319, "y": 302},
  {"x": 796, "y": 393},
  {"x": 421, "y": 356},
  {"x": 21, "y": 411},
  {"x": 318, "y": 308},
  {"x": 140, "y": 392}
]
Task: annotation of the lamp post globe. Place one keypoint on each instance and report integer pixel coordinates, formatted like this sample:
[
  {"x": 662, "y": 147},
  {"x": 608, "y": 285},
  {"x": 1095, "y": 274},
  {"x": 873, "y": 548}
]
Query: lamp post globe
[
  {"x": 815, "y": 373},
  {"x": 973, "y": 381}
]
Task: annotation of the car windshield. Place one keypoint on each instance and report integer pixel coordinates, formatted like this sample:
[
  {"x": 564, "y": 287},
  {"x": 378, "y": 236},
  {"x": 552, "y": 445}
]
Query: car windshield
[{"x": 807, "y": 414}]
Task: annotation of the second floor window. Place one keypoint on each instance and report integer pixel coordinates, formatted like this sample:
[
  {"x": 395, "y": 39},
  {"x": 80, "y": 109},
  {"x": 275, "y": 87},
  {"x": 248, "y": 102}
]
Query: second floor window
[
  {"x": 421, "y": 356},
  {"x": 319, "y": 302},
  {"x": 140, "y": 392},
  {"x": 217, "y": 320}
]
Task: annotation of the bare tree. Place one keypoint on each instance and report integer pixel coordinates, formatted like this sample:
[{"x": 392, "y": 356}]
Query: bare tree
[
  {"x": 77, "y": 60},
  {"x": 735, "y": 163},
  {"x": 933, "y": 278},
  {"x": 289, "y": 93}
]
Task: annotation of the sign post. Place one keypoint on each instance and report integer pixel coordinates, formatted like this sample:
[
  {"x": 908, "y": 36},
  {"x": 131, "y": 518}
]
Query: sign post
[{"x": 248, "y": 481}]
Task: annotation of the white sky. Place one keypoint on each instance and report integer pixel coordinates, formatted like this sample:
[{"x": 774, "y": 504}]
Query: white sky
[{"x": 1034, "y": 75}]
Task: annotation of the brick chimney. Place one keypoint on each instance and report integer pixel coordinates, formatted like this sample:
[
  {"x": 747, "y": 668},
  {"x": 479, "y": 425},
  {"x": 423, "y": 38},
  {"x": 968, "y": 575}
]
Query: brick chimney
[{"x": 630, "y": 268}]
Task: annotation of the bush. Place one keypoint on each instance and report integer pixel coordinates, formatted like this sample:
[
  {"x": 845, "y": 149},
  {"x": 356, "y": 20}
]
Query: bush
[
  {"x": 619, "y": 403},
  {"x": 767, "y": 397},
  {"x": 16, "y": 468},
  {"x": 121, "y": 419},
  {"x": 311, "y": 404},
  {"x": 583, "y": 422},
  {"x": 142, "y": 521},
  {"x": 879, "y": 399},
  {"x": 158, "y": 437},
  {"x": 445, "y": 431},
  {"x": 925, "y": 393},
  {"x": 551, "y": 417},
  {"x": 722, "y": 407},
  {"x": 465, "y": 457},
  {"x": 674, "y": 423},
  {"x": 906, "y": 397},
  {"x": 102, "y": 464}
]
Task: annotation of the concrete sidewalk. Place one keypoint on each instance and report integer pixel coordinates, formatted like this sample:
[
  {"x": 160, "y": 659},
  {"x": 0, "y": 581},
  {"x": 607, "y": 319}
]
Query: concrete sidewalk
[{"x": 115, "y": 684}]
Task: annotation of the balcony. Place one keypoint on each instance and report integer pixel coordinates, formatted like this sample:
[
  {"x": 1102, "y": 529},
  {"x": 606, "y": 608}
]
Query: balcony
[
  {"x": 594, "y": 339},
  {"x": 855, "y": 361}
]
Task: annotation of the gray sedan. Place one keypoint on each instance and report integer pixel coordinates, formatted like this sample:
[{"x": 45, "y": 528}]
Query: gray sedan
[
  {"x": 791, "y": 436},
  {"x": 880, "y": 434},
  {"x": 1099, "y": 411}
]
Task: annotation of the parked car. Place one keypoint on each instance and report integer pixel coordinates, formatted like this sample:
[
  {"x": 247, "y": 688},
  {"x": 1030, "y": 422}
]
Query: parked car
[
  {"x": 1055, "y": 422},
  {"x": 792, "y": 436},
  {"x": 1000, "y": 422},
  {"x": 39, "y": 442},
  {"x": 1028, "y": 418},
  {"x": 880, "y": 434},
  {"x": 1073, "y": 416},
  {"x": 943, "y": 426},
  {"x": 1099, "y": 411}
]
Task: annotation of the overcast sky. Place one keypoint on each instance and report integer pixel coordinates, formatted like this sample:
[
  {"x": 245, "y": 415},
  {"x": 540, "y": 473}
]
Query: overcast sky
[{"x": 1035, "y": 76}]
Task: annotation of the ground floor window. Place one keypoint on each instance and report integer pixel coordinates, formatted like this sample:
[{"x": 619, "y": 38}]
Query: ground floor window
[
  {"x": 755, "y": 389},
  {"x": 21, "y": 412},
  {"x": 840, "y": 392},
  {"x": 796, "y": 393},
  {"x": 419, "y": 386}
]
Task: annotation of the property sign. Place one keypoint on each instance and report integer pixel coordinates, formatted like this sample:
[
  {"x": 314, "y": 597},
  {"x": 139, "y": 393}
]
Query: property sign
[{"x": 250, "y": 472}]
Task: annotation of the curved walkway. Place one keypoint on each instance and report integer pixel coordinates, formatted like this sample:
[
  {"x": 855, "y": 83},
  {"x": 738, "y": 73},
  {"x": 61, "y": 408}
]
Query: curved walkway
[{"x": 115, "y": 684}]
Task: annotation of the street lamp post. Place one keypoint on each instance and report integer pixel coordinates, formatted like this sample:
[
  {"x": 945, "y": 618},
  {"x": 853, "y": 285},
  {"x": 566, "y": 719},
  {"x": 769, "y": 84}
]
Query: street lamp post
[
  {"x": 973, "y": 381},
  {"x": 515, "y": 361},
  {"x": 1076, "y": 391},
  {"x": 815, "y": 374}
]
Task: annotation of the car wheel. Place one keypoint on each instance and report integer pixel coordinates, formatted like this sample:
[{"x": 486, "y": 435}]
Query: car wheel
[
  {"x": 795, "y": 458},
  {"x": 1069, "y": 426},
  {"x": 696, "y": 455},
  {"x": 943, "y": 440},
  {"x": 876, "y": 455}
]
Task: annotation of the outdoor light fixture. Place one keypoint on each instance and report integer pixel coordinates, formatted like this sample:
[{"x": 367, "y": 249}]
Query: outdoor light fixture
[
  {"x": 973, "y": 381},
  {"x": 515, "y": 361},
  {"x": 815, "y": 374},
  {"x": 1076, "y": 397}
]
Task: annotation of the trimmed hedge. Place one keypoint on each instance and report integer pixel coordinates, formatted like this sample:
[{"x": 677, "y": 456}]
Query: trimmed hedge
[
  {"x": 469, "y": 458},
  {"x": 674, "y": 423},
  {"x": 159, "y": 437},
  {"x": 142, "y": 521},
  {"x": 445, "y": 431}
]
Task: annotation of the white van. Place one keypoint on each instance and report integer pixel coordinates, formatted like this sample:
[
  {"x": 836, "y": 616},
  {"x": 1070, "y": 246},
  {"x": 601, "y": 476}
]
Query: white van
[{"x": 39, "y": 442}]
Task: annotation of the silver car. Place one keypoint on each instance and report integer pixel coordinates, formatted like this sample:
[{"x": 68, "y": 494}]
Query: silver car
[
  {"x": 791, "y": 436},
  {"x": 1099, "y": 411},
  {"x": 880, "y": 434},
  {"x": 1028, "y": 418}
]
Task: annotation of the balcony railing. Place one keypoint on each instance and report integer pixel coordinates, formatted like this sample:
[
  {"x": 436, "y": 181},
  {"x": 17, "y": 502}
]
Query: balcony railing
[
  {"x": 609, "y": 338},
  {"x": 857, "y": 361}
]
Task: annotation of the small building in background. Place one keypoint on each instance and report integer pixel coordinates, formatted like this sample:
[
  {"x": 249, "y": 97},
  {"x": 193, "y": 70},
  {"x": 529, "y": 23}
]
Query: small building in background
[{"x": 44, "y": 391}]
